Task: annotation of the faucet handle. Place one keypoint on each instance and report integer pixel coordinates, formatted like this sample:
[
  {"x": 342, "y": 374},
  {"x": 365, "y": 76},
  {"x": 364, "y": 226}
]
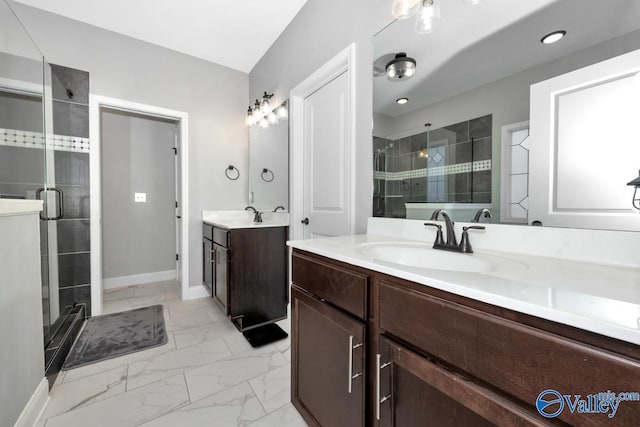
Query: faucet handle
[
  {"x": 465, "y": 245},
  {"x": 439, "y": 239}
]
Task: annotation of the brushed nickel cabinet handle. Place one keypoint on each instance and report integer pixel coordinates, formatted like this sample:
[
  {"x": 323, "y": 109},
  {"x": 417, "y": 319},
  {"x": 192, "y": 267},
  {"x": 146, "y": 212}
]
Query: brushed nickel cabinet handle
[
  {"x": 352, "y": 376},
  {"x": 379, "y": 368},
  {"x": 212, "y": 256}
]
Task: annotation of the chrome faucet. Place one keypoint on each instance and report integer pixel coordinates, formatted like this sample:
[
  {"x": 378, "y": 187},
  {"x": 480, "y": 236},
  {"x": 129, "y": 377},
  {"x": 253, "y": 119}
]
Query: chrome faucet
[
  {"x": 481, "y": 212},
  {"x": 452, "y": 242},
  {"x": 257, "y": 217},
  {"x": 278, "y": 207}
]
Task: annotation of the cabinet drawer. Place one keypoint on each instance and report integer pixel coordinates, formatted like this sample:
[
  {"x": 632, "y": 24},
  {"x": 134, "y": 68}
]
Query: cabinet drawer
[
  {"x": 341, "y": 287},
  {"x": 207, "y": 231},
  {"x": 221, "y": 237},
  {"x": 518, "y": 359}
]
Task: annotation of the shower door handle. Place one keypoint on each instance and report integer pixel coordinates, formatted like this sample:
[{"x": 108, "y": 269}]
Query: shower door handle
[{"x": 44, "y": 214}]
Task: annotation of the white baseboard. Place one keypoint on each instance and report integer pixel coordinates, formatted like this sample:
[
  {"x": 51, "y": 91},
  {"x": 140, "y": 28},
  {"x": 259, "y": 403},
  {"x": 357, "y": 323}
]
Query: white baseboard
[
  {"x": 35, "y": 406},
  {"x": 199, "y": 291},
  {"x": 135, "y": 279}
]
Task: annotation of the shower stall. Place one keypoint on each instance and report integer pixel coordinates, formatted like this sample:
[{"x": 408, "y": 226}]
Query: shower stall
[{"x": 33, "y": 166}]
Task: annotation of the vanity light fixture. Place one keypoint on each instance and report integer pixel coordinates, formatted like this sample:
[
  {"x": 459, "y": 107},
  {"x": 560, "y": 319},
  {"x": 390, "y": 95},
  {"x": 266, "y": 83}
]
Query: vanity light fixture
[
  {"x": 635, "y": 201},
  {"x": 402, "y": 101},
  {"x": 282, "y": 113},
  {"x": 401, "y": 67},
  {"x": 427, "y": 13},
  {"x": 553, "y": 37},
  {"x": 265, "y": 106},
  {"x": 263, "y": 115},
  {"x": 428, "y": 17},
  {"x": 403, "y": 9}
]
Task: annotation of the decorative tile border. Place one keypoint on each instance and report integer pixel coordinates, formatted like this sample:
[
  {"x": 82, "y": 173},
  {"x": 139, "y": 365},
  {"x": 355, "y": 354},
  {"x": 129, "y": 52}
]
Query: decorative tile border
[
  {"x": 26, "y": 139},
  {"x": 481, "y": 165}
]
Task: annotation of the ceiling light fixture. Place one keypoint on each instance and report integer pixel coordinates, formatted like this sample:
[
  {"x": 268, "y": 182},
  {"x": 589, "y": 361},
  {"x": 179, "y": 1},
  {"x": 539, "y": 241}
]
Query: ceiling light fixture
[
  {"x": 553, "y": 37},
  {"x": 402, "y": 101},
  {"x": 401, "y": 67},
  {"x": 472, "y": 2}
]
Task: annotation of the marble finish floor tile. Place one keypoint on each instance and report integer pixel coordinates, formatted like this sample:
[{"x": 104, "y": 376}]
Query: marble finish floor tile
[
  {"x": 96, "y": 368},
  {"x": 85, "y": 391},
  {"x": 233, "y": 370},
  {"x": 128, "y": 409},
  {"x": 287, "y": 416},
  {"x": 201, "y": 334},
  {"x": 207, "y": 373},
  {"x": 235, "y": 406},
  {"x": 273, "y": 389},
  {"x": 167, "y": 364}
]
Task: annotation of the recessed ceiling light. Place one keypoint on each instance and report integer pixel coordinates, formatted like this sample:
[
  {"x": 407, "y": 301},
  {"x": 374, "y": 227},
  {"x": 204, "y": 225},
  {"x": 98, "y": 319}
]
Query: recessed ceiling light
[
  {"x": 553, "y": 37},
  {"x": 402, "y": 101}
]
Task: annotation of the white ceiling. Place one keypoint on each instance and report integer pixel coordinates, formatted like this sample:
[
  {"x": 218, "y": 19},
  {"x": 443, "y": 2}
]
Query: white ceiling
[
  {"x": 477, "y": 45},
  {"x": 233, "y": 33}
]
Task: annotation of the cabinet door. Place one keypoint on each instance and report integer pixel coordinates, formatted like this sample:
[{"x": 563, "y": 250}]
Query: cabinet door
[
  {"x": 208, "y": 257},
  {"x": 328, "y": 352},
  {"x": 221, "y": 277},
  {"x": 412, "y": 390}
]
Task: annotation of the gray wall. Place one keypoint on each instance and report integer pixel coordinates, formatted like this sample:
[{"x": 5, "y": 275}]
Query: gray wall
[
  {"x": 137, "y": 157},
  {"x": 21, "y": 352},
  {"x": 215, "y": 97},
  {"x": 321, "y": 30}
]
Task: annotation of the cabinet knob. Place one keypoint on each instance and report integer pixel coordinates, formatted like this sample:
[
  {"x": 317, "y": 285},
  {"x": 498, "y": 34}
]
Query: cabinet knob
[{"x": 305, "y": 221}]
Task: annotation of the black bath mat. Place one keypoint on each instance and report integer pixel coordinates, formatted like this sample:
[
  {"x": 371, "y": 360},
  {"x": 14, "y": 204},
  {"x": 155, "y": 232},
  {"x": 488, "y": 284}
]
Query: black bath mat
[
  {"x": 117, "y": 334},
  {"x": 264, "y": 335}
]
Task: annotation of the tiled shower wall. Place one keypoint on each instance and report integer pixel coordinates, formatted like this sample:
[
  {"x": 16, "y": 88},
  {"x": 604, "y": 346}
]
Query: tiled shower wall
[
  {"x": 70, "y": 89},
  {"x": 452, "y": 166}
]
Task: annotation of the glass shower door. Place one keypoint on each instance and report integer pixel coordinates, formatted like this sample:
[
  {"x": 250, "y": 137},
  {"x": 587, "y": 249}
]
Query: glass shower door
[{"x": 26, "y": 151}]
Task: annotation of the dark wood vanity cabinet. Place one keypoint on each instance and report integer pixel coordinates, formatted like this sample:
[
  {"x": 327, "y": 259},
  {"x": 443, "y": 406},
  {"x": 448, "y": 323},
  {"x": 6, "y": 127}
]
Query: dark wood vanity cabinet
[
  {"x": 245, "y": 270},
  {"x": 329, "y": 343},
  {"x": 439, "y": 359}
]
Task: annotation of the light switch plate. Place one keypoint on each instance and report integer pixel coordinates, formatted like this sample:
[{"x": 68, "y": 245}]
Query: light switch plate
[{"x": 140, "y": 197}]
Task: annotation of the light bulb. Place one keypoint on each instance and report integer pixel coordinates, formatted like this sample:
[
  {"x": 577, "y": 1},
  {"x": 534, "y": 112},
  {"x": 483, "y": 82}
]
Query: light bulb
[
  {"x": 264, "y": 123},
  {"x": 428, "y": 17},
  {"x": 282, "y": 112},
  {"x": 249, "y": 120},
  {"x": 272, "y": 118},
  {"x": 403, "y": 9},
  {"x": 265, "y": 108},
  {"x": 256, "y": 112}
]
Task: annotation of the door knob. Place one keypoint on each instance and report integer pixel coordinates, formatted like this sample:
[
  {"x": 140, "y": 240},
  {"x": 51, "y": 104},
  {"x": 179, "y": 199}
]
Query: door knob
[{"x": 305, "y": 221}]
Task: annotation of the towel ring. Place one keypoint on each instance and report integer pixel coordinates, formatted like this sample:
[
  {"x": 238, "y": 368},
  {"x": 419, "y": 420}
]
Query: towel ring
[
  {"x": 268, "y": 173},
  {"x": 232, "y": 168}
]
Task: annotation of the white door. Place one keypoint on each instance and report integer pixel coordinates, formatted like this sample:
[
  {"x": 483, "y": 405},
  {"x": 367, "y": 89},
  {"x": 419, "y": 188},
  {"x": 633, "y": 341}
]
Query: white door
[
  {"x": 327, "y": 161},
  {"x": 177, "y": 171},
  {"x": 583, "y": 149}
]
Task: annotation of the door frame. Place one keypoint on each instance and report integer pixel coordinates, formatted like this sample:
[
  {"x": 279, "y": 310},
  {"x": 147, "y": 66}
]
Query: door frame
[
  {"x": 343, "y": 62},
  {"x": 96, "y": 103}
]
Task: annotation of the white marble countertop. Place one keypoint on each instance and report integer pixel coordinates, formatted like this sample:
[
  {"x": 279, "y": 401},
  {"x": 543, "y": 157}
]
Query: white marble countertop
[
  {"x": 233, "y": 219},
  {"x": 10, "y": 207},
  {"x": 600, "y": 298}
]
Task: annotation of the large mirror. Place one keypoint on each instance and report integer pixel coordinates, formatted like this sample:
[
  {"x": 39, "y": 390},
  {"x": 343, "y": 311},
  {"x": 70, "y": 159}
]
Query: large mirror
[
  {"x": 455, "y": 135},
  {"x": 269, "y": 164}
]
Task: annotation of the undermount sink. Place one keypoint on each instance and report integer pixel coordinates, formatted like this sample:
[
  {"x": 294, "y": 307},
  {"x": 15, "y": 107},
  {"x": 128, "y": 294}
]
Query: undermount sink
[{"x": 422, "y": 255}]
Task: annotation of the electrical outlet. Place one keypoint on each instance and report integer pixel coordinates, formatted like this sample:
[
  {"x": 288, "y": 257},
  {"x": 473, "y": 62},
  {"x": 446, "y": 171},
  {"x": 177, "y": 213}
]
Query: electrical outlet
[{"x": 140, "y": 197}]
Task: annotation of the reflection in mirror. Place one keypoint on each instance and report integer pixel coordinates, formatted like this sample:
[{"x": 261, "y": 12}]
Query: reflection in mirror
[
  {"x": 269, "y": 164},
  {"x": 466, "y": 73}
]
